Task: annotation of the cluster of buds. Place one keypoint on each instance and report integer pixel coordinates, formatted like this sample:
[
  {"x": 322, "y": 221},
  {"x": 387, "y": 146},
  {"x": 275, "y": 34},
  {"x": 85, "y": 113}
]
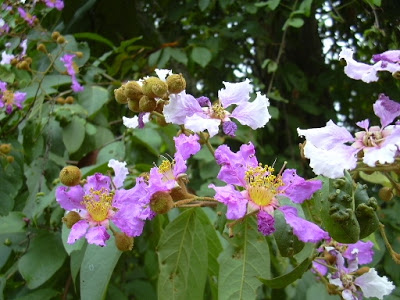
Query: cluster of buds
[
  {"x": 23, "y": 63},
  {"x": 149, "y": 94},
  {"x": 57, "y": 37},
  {"x": 67, "y": 100},
  {"x": 5, "y": 149}
]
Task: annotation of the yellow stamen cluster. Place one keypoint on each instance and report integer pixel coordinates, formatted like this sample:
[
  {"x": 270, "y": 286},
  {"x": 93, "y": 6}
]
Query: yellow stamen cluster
[
  {"x": 372, "y": 138},
  {"x": 262, "y": 185},
  {"x": 98, "y": 204},
  {"x": 166, "y": 168},
  {"x": 218, "y": 111},
  {"x": 8, "y": 96}
]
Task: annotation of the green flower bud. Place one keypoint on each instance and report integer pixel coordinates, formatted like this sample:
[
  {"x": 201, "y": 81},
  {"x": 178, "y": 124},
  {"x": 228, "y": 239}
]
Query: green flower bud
[
  {"x": 176, "y": 83},
  {"x": 42, "y": 48},
  {"x": 178, "y": 193},
  {"x": 69, "y": 100},
  {"x": 60, "y": 100},
  {"x": 147, "y": 104},
  {"x": 120, "y": 95},
  {"x": 161, "y": 202},
  {"x": 133, "y": 90},
  {"x": 70, "y": 175},
  {"x": 386, "y": 193},
  {"x": 154, "y": 87},
  {"x": 10, "y": 159},
  {"x": 133, "y": 105},
  {"x": 55, "y": 35},
  {"x": 60, "y": 40},
  {"x": 71, "y": 218},
  {"x": 5, "y": 148},
  {"x": 123, "y": 242}
]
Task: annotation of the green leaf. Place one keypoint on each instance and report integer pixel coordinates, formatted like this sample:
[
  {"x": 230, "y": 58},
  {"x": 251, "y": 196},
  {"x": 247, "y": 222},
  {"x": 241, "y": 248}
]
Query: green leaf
[
  {"x": 96, "y": 269},
  {"x": 42, "y": 294},
  {"x": 93, "y": 98},
  {"x": 94, "y": 37},
  {"x": 12, "y": 223},
  {"x": 178, "y": 54},
  {"x": 242, "y": 263},
  {"x": 273, "y": 4},
  {"x": 68, "y": 247},
  {"x": 201, "y": 55},
  {"x": 203, "y": 4},
  {"x": 44, "y": 257},
  {"x": 74, "y": 134},
  {"x": 182, "y": 253},
  {"x": 294, "y": 22},
  {"x": 284, "y": 280}
]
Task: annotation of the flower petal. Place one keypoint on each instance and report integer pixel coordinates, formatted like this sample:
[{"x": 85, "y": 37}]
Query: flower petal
[
  {"x": 372, "y": 285},
  {"x": 233, "y": 199},
  {"x": 120, "y": 171},
  {"x": 97, "y": 235},
  {"x": 235, "y": 93},
  {"x": 200, "y": 122},
  {"x": 187, "y": 145},
  {"x": 179, "y": 107},
  {"x": 297, "y": 188},
  {"x": 78, "y": 230},
  {"x": 70, "y": 198}
]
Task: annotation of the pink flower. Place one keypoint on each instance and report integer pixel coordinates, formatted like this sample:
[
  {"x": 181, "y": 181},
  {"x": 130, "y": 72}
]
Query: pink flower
[
  {"x": 67, "y": 59},
  {"x": 8, "y": 99},
  {"x": 58, "y": 4},
  {"x": 27, "y": 16}
]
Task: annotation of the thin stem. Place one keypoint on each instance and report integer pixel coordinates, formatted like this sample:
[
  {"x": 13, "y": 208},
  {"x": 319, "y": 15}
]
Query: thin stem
[
  {"x": 394, "y": 254},
  {"x": 208, "y": 144},
  {"x": 200, "y": 204}
]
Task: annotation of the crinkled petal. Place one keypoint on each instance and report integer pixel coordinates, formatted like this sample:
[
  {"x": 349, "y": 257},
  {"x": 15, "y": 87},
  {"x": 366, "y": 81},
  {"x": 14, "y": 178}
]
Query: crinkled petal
[
  {"x": 363, "y": 124},
  {"x": 373, "y": 285},
  {"x": 253, "y": 114},
  {"x": 234, "y": 165},
  {"x": 297, "y": 188},
  {"x": 386, "y": 109},
  {"x": 392, "y": 56},
  {"x": 265, "y": 223},
  {"x": 348, "y": 295},
  {"x": 327, "y": 137},
  {"x": 382, "y": 155},
  {"x": 201, "y": 122},
  {"x": 163, "y": 73},
  {"x": 78, "y": 230},
  {"x": 320, "y": 266},
  {"x": 331, "y": 163},
  {"x": 70, "y": 198},
  {"x": 97, "y": 235},
  {"x": 235, "y": 93},
  {"x": 229, "y": 128},
  {"x": 6, "y": 58},
  {"x": 187, "y": 145},
  {"x": 357, "y": 70},
  {"x": 360, "y": 250},
  {"x": 129, "y": 219},
  {"x": 131, "y": 122},
  {"x": 233, "y": 199},
  {"x": 97, "y": 182},
  {"x": 179, "y": 107},
  {"x": 120, "y": 171},
  {"x": 303, "y": 229}
]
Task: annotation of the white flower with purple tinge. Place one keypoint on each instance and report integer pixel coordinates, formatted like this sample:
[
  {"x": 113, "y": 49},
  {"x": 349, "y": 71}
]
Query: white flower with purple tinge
[
  {"x": 100, "y": 201},
  {"x": 184, "y": 109},
  {"x": 386, "y": 61},
  {"x": 8, "y": 99},
  {"x": 67, "y": 59},
  {"x": 330, "y": 155},
  {"x": 136, "y": 121},
  {"x": 6, "y": 58},
  {"x": 345, "y": 260},
  {"x": 4, "y": 27},
  {"x": 261, "y": 187}
]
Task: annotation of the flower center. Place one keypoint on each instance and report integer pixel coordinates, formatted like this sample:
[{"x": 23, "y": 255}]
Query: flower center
[
  {"x": 8, "y": 97},
  {"x": 166, "y": 168},
  {"x": 218, "y": 111},
  {"x": 372, "y": 138},
  {"x": 262, "y": 185},
  {"x": 98, "y": 204}
]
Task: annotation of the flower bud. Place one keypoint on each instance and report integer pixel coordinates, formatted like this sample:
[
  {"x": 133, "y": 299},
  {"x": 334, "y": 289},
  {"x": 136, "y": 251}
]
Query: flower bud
[
  {"x": 79, "y": 54},
  {"x": 5, "y": 148},
  {"x": 28, "y": 60},
  {"x": 60, "y": 40},
  {"x": 60, "y": 100},
  {"x": 42, "y": 48},
  {"x": 23, "y": 65},
  {"x": 14, "y": 62},
  {"x": 133, "y": 90},
  {"x": 123, "y": 242},
  {"x": 55, "y": 35},
  {"x": 161, "y": 121},
  {"x": 161, "y": 202},
  {"x": 396, "y": 75},
  {"x": 179, "y": 193},
  {"x": 154, "y": 87},
  {"x": 160, "y": 107},
  {"x": 204, "y": 138},
  {"x": 10, "y": 159},
  {"x": 176, "y": 83},
  {"x": 70, "y": 175},
  {"x": 69, "y": 100},
  {"x": 7, "y": 242},
  {"x": 71, "y": 218},
  {"x": 120, "y": 95},
  {"x": 147, "y": 104},
  {"x": 362, "y": 270},
  {"x": 133, "y": 105},
  {"x": 386, "y": 193}
]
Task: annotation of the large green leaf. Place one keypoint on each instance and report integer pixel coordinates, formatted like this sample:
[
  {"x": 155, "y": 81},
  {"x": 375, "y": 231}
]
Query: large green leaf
[
  {"x": 96, "y": 269},
  {"x": 201, "y": 55},
  {"x": 74, "y": 134},
  {"x": 182, "y": 253},
  {"x": 45, "y": 256},
  {"x": 93, "y": 98},
  {"x": 243, "y": 262}
]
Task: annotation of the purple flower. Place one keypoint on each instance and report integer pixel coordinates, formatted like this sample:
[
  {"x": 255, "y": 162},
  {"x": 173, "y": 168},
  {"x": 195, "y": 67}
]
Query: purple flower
[
  {"x": 184, "y": 109},
  {"x": 339, "y": 262},
  {"x": 134, "y": 121},
  {"x": 67, "y": 59},
  {"x": 187, "y": 145},
  {"x": 58, "y": 4},
  {"x": 260, "y": 188},
  {"x": 386, "y": 61},
  {"x": 330, "y": 155},
  {"x": 6, "y": 58},
  {"x": 4, "y": 27},
  {"x": 8, "y": 99},
  {"x": 100, "y": 201},
  {"x": 27, "y": 16}
]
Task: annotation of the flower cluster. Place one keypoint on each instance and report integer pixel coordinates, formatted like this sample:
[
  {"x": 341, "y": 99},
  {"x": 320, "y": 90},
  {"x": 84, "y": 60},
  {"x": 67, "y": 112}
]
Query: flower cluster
[
  {"x": 340, "y": 263},
  {"x": 67, "y": 59},
  {"x": 260, "y": 190},
  {"x": 58, "y": 4},
  {"x": 8, "y": 98},
  {"x": 30, "y": 19}
]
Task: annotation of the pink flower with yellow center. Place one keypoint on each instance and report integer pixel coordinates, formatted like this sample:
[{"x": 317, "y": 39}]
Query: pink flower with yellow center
[
  {"x": 8, "y": 99},
  {"x": 253, "y": 188}
]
